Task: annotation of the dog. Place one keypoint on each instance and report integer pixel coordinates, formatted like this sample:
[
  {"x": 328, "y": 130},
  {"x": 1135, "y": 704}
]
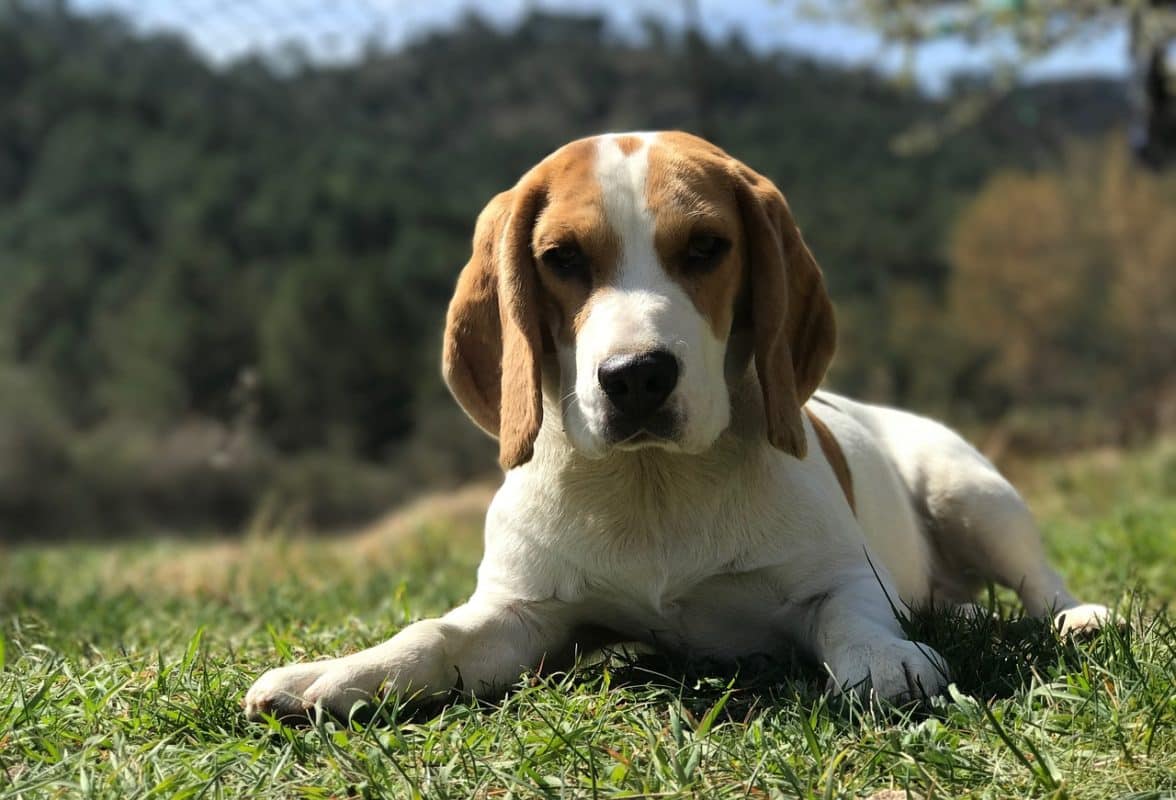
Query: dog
[{"x": 643, "y": 328}]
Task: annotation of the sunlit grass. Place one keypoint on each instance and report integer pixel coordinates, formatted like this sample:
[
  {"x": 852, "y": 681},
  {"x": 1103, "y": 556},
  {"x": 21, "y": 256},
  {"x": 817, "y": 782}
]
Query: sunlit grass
[{"x": 123, "y": 668}]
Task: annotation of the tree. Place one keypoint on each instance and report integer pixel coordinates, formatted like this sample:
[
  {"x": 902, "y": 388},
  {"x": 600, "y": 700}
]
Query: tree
[
  {"x": 1066, "y": 280},
  {"x": 1036, "y": 27}
]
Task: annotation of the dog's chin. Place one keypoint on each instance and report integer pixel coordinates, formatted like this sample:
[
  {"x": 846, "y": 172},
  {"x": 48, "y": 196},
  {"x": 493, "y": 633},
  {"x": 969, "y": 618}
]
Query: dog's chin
[
  {"x": 644, "y": 440},
  {"x": 600, "y": 446},
  {"x": 680, "y": 443},
  {"x": 662, "y": 427},
  {"x": 597, "y": 437},
  {"x": 668, "y": 432}
]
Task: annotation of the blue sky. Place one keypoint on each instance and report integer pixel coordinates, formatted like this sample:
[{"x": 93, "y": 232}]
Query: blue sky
[{"x": 224, "y": 29}]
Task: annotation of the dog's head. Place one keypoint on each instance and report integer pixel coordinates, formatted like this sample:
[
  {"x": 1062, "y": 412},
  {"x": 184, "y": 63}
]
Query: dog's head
[{"x": 652, "y": 267}]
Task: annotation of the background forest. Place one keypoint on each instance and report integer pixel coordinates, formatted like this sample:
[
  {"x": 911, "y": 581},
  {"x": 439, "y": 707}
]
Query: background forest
[{"x": 222, "y": 288}]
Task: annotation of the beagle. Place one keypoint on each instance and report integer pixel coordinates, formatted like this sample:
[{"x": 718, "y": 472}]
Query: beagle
[{"x": 643, "y": 329}]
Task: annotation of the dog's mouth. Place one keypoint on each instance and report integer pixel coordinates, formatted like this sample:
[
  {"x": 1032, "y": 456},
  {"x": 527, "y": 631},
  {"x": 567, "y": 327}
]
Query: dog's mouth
[{"x": 657, "y": 430}]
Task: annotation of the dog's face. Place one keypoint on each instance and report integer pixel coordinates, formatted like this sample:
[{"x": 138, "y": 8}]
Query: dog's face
[
  {"x": 636, "y": 261},
  {"x": 651, "y": 266}
]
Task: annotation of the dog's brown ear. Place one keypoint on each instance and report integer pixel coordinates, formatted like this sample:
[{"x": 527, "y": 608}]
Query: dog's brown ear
[
  {"x": 792, "y": 317},
  {"x": 493, "y": 339}
]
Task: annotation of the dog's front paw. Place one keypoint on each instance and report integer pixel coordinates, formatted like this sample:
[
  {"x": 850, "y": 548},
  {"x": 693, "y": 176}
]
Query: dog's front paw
[
  {"x": 293, "y": 695},
  {"x": 337, "y": 691},
  {"x": 409, "y": 668},
  {"x": 1086, "y": 618},
  {"x": 896, "y": 671},
  {"x": 279, "y": 692}
]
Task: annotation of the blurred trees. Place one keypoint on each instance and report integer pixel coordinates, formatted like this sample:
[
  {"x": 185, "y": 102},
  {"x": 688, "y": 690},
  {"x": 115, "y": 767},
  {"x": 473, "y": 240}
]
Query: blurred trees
[
  {"x": 222, "y": 289},
  {"x": 1066, "y": 281}
]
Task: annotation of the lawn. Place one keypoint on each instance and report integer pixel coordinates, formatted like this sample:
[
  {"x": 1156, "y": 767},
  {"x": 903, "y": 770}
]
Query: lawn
[{"x": 122, "y": 669}]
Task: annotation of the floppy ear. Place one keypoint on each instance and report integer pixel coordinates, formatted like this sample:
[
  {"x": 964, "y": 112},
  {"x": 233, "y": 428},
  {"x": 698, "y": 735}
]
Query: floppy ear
[
  {"x": 493, "y": 340},
  {"x": 792, "y": 317}
]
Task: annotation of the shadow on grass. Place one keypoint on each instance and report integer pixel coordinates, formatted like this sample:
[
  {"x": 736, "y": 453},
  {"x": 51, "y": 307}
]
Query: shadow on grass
[{"x": 990, "y": 656}]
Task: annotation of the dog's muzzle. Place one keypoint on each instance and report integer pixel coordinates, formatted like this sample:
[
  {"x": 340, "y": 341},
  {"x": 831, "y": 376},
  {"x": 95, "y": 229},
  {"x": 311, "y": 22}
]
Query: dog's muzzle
[{"x": 637, "y": 386}]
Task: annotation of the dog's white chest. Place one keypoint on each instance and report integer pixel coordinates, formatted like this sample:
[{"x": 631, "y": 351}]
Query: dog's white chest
[{"x": 699, "y": 574}]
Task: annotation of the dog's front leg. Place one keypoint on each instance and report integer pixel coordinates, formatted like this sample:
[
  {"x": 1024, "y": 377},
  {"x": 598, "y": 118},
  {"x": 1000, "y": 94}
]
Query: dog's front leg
[
  {"x": 853, "y": 631},
  {"x": 478, "y": 648}
]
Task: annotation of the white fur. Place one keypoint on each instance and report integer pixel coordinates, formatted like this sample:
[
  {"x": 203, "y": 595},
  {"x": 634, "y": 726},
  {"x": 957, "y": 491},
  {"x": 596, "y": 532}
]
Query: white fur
[{"x": 718, "y": 546}]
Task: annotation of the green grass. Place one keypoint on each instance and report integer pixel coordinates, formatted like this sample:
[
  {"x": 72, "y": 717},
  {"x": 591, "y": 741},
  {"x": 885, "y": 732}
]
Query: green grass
[{"x": 122, "y": 669}]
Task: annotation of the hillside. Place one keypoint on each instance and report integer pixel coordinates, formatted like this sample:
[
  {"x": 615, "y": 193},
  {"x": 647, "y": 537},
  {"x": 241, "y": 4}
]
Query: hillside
[{"x": 250, "y": 265}]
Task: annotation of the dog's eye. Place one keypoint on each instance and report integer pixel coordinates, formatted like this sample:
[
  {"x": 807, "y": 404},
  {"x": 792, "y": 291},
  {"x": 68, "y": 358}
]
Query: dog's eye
[
  {"x": 704, "y": 251},
  {"x": 566, "y": 260}
]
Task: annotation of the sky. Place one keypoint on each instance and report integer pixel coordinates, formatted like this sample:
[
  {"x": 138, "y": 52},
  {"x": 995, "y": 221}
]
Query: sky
[{"x": 337, "y": 29}]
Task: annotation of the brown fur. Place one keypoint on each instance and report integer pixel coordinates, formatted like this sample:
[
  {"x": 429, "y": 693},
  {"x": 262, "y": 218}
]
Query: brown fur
[
  {"x": 472, "y": 355},
  {"x": 629, "y": 144},
  {"x": 689, "y": 196},
  {"x": 575, "y": 213},
  {"x": 835, "y": 457},
  {"x": 792, "y": 316},
  {"x": 493, "y": 340}
]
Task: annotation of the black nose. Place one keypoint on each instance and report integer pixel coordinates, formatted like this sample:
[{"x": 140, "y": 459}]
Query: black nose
[{"x": 638, "y": 384}]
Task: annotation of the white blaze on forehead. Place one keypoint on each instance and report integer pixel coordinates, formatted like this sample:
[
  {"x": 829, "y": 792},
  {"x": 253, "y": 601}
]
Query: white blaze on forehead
[
  {"x": 622, "y": 180},
  {"x": 636, "y": 311}
]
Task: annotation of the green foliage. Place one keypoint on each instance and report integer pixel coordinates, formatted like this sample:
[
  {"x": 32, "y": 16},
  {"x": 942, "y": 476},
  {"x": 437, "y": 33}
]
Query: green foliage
[
  {"x": 337, "y": 356},
  {"x": 122, "y": 670},
  {"x": 270, "y": 249}
]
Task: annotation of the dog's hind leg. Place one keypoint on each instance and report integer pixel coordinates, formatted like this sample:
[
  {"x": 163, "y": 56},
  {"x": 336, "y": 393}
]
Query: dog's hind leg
[{"x": 982, "y": 531}]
